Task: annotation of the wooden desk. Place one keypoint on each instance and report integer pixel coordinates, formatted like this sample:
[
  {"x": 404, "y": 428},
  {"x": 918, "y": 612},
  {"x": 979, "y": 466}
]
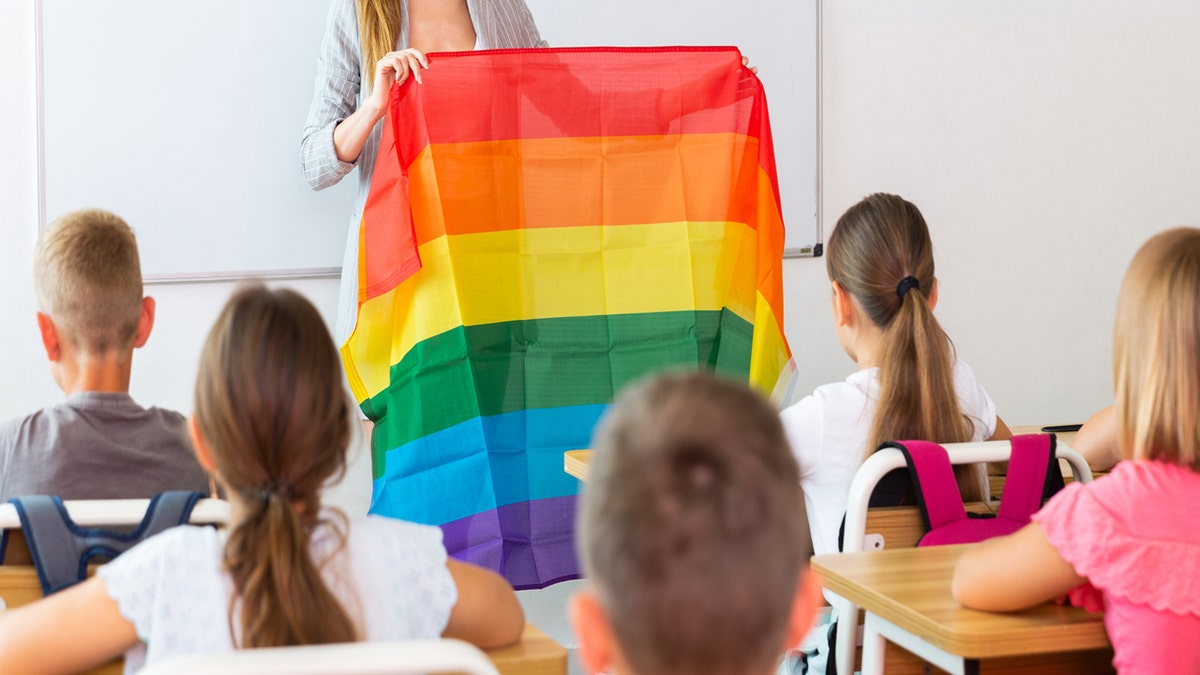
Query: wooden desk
[
  {"x": 905, "y": 594},
  {"x": 536, "y": 654},
  {"x": 1065, "y": 437},
  {"x": 575, "y": 463}
]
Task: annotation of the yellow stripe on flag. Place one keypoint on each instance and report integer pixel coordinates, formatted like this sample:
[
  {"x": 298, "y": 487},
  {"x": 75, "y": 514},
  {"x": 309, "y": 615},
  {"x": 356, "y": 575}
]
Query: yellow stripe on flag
[{"x": 542, "y": 273}]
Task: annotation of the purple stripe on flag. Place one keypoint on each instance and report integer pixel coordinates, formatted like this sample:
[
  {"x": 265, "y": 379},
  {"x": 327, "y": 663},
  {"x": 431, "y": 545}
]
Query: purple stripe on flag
[{"x": 503, "y": 539}]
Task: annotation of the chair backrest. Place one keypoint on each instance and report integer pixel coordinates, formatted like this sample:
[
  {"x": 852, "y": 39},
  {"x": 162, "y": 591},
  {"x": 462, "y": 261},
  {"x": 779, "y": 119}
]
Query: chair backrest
[
  {"x": 363, "y": 658},
  {"x": 19, "y": 583},
  {"x": 62, "y": 550},
  {"x": 869, "y": 474},
  {"x": 120, "y": 513},
  {"x": 885, "y": 460},
  {"x": 1033, "y": 474}
]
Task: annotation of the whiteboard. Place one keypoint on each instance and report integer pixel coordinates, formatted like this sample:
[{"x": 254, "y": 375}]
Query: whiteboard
[
  {"x": 185, "y": 118},
  {"x": 781, "y": 38}
]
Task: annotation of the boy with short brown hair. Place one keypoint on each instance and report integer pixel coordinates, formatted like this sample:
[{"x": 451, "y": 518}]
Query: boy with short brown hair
[
  {"x": 99, "y": 443},
  {"x": 692, "y": 534}
]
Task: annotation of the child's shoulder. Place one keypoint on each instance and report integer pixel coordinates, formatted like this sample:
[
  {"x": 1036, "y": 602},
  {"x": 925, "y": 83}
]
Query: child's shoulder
[
  {"x": 1128, "y": 485},
  {"x": 395, "y": 527},
  {"x": 399, "y": 540},
  {"x": 174, "y": 556},
  {"x": 401, "y": 567},
  {"x": 850, "y": 394}
]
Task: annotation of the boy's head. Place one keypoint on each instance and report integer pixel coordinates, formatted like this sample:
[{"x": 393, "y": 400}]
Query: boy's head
[
  {"x": 88, "y": 282},
  {"x": 692, "y": 533}
]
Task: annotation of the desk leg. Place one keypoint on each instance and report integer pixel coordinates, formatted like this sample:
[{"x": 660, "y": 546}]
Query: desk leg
[
  {"x": 876, "y": 630},
  {"x": 872, "y": 647}
]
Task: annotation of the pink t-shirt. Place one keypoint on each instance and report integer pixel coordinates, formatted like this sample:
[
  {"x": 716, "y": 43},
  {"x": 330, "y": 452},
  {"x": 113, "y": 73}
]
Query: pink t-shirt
[{"x": 1133, "y": 535}]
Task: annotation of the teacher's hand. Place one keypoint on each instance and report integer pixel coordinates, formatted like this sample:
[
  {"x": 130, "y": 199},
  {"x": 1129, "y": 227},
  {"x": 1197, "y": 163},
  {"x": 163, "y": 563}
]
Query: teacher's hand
[{"x": 396, "y": 67}]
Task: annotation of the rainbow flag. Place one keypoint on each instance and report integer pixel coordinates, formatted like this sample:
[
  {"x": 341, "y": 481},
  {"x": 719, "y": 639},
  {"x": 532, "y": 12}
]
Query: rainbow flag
[{"x": 544, "y": 226}]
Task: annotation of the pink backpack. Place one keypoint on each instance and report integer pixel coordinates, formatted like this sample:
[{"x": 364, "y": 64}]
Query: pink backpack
[{"x": 1033, "y": 477}]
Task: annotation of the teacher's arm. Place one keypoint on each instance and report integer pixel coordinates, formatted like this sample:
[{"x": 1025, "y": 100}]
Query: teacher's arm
[{"x": 335, "y": 97}]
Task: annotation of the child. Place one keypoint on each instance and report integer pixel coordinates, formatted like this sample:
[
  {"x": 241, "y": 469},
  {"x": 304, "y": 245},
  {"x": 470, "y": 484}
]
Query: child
[
  {"x": 1130, "y": 533},
  {"x": 99, "y": 443},
  {"x": 691, "y": 534},
  {"x": 909, "y": 384},
  {"x": 272, "y": 421}
]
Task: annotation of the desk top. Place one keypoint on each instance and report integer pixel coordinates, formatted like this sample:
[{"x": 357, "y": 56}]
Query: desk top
[
  {"x": 1067, "y": 437},
  {"x": 910, "y": 587},
  {"x": 575, "y": 463},
  {"x": 536, "y": 654}
]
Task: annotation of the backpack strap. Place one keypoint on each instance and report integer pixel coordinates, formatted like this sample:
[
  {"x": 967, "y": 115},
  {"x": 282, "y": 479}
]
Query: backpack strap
[
  {"x": 933, "y": 481},
  {"x": 61, "y": 550},
  {"x": 1031, "y": 468}
]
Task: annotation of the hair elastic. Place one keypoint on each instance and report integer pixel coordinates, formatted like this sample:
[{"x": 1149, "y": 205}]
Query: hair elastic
[
  {"x": 274, "y": 486},
  {"x": 906, "y": 284}
]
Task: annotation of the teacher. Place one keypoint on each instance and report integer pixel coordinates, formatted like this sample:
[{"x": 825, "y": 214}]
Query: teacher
[{"x": 392, "y": 37}]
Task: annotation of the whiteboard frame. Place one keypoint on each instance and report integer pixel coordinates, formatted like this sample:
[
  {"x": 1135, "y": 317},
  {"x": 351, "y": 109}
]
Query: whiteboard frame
[{"x": 818, "y": 247}]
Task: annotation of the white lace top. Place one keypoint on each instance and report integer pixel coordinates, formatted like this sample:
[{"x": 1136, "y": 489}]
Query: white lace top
[{"x": 391, "y": 578}]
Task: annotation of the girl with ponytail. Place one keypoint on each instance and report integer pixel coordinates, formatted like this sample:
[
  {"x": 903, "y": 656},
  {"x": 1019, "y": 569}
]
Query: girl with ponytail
[
  {"x": 272, "y": 422},
  {"x": 909, "y": 384}
]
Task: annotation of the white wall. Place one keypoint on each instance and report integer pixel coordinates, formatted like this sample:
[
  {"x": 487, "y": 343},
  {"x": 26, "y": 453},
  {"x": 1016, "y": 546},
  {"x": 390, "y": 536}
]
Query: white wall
[
  {"x": 1042, "y": 145},
  {"x": 1043, "y": 142}
]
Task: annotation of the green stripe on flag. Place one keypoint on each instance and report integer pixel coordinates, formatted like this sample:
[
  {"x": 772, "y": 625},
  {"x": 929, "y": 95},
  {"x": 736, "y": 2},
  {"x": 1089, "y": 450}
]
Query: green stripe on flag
[{"x": 474, "y": 371}]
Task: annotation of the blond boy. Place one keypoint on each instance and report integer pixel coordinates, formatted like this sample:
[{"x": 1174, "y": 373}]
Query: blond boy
[
  {"x": 692, "y": 535},
  {"x": 98, "y": 443}
]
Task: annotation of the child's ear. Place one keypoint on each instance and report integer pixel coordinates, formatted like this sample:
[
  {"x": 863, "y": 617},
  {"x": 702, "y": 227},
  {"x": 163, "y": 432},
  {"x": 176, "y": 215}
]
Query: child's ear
[
  {"x": 804, "y": 607},
  {"x": 933, "y": 295},
  {"x": 203, "y": 454},
  {"x": 49, "y": 333},
  {"x": 596, "y": 640},
  {"x": 842, "y": 308},
  {"x": 145, "y": 322}
]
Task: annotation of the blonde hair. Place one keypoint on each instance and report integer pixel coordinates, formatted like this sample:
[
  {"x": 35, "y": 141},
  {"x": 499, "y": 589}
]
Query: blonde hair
[
  {"x": 272, "y": 412},
  {"x": 1156, "y": 351},
  {"x": 875, "y": 245},
  {"x": 379, "y": 25},
  {"x": 87, "y": 277},
  {"x": 691, "y": 526}
]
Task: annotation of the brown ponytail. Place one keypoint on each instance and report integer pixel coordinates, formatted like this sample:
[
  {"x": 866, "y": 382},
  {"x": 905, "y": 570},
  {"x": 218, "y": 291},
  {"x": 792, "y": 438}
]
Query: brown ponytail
[
  {"x": 378, "y": 31},
  {"x": 876, "y": 244},
  {"x": 271, "y": 410}
]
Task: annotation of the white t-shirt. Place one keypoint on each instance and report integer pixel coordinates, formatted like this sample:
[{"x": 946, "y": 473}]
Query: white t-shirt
[
  {"x": 828, "y": 432},
  {"x": 390, "y": 577}
]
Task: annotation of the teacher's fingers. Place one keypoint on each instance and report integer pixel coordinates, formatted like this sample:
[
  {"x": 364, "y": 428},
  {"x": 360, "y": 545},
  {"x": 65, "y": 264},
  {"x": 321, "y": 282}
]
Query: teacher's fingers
[
  {"x": 406, "y": 60},
  {"x": 746, "y": 62}
]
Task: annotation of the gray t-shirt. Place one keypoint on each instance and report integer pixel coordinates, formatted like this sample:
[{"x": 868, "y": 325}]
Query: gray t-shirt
[{"x": 98, "y": 445}]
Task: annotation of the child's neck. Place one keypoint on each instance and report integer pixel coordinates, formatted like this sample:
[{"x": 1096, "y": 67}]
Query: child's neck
[
  {"x": 107, "y": 373},
  {"x": 865, "y": 347}
]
